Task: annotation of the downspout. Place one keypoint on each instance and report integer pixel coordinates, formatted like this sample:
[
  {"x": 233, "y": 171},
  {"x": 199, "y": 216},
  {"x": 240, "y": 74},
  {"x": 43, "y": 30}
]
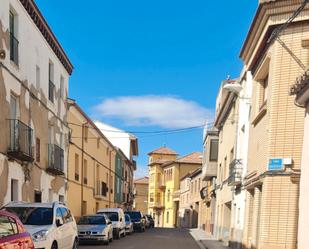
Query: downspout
[
  {"x": 110, "y": 182},
  {"x": 82, "y": 169}
]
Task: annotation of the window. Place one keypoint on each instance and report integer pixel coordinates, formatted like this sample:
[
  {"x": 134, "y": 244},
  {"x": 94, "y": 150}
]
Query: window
[
  {"x": 8, "y": 227},
  {"x": 86, "y": 130},
  {"x": 264, "y": 85},
  {"x": 14, "y": 190},
  {"x": 37, "y": 77},
  {"x": 62, "y": 87},
  {"x": 168, "y": 195},
  {"x": 151, "y": 197},
  {"x": 37, "y": 150},
  {"x": 167, "y": 217},
  {"x": 85, "y": 172},
  {"x": 61, "y": 198},
  {"x": 51, "y": 88},
  {"x": 67, "y": 217},
  {"x": 37, "y": 196},
  {"x": 191, "y": 188},
  {"x": 213, "y": 154},
  {"x": 232, "y": 155},
  {"x": 76, "y": 167},
  {"x": 13, "y": 40},
  {"x": 104, "y": 189},
  {"x": 98, "y": 143},
  {"x": 59, "y": 215}
]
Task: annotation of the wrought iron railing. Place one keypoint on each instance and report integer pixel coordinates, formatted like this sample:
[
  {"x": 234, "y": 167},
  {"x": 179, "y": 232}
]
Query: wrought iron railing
[
  {"x": 14, "y": 43},
  {"x": 55, "y": 159},
  {"x": 20, "y": 140},
  {"x": 236, "y": 170}
]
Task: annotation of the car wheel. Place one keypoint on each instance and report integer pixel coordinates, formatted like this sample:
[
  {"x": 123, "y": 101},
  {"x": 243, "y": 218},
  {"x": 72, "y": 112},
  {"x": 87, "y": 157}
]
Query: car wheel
[
  {"x": 111, "y": 237},
  {"x": 54, "y": 245}
]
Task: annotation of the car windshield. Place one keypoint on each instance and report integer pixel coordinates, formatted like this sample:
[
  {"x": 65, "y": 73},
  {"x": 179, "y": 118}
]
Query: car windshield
[
  {"x": 92, "y": 220},
  {"x": 135, "y": 215},
  {"x": 127, "y": 217},
  {"x": 113, "y": 216},
  {"x": 37, "y": 216}
]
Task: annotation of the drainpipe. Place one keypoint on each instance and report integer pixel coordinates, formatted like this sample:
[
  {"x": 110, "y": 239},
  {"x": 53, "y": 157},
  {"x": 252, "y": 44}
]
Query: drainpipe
[
  {"x": 110, "y": 182},
  {"x": 82, "y": 168}
]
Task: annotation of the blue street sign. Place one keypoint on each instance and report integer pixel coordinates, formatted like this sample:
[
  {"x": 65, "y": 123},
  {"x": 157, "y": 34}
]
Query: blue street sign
[{"x": 275, "y": 164}]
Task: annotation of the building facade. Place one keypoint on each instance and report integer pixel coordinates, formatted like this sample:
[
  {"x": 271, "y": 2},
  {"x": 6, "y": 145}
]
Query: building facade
[
  {"x": 276, "y": 132},
  {"x": 91, "y": 171},
  {"x": 34, "y": 74},
  {"x": 301, "y": 90},
  {"x": 141, "y": 194},
  {"x": 192, "y": 210},
  {"x": 124, "y": 173},
  {"x": 156, "y": 204},
  {"x": 226, "y": 123},
  {"x": 165, "y": 171},
  {"x": 209, "y": 176}
]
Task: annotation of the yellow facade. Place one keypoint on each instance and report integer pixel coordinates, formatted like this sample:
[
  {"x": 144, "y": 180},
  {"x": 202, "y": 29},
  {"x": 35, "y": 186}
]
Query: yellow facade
[
  {"x": 91, "y": 166},
  {"x": 165, "y": 171}
]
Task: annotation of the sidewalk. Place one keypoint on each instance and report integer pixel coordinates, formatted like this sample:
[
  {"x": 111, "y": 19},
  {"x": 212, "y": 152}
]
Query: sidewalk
[{"x": 206, "y": 242}]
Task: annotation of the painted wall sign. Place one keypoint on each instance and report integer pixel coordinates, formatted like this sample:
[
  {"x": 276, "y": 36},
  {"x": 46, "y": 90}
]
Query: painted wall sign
[{"x": 275, "y": 164}]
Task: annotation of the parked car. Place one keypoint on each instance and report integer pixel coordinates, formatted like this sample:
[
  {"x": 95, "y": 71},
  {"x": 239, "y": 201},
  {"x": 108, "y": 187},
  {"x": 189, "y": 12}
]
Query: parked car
[
  {"x": 116, "y": 215},
  {"x": 147, "y": 221},
  {"x": 12, "y": 232},
  {"x": 95, "y": 228},
  {"x": 129, "y": 224},
  {"x": 51, "y": 225},
  {"x": 150, "y": 220},
  {"x": 139, "y": 223}
]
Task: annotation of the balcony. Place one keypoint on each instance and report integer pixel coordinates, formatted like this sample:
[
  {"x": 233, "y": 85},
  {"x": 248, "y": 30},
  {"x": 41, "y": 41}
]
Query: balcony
[
  {"x": 156, "y": 205},
  {"x": 20, "y": 141},
  {"x": 236, "y": 170},
  {"x": 55, "y": 160}
]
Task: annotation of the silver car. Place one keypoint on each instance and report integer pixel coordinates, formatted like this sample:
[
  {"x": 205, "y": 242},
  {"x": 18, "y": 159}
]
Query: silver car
[
  {"x": 129, "y": 224},
  {"x": 95, "y": 228}
]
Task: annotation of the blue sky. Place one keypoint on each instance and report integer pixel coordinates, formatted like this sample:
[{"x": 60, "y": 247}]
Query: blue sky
[{"x": 151, "y": 65}]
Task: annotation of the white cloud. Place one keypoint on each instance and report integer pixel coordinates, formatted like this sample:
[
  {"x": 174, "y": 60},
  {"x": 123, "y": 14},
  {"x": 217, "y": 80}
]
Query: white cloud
[{"x": 154, "y": 110}]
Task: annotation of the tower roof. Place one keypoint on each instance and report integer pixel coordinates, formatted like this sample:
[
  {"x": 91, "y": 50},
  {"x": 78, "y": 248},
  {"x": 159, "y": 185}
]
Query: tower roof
[{"x": 163, "y": 151}]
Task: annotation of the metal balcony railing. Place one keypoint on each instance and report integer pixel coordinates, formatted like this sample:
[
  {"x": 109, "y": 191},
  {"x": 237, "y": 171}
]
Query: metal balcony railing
[
  {"x": 156, "y": 205},
  {"x": 14, "y": 43},
  {"x": 55, "y": 160},
  {"x": 20, "y": 141},
  {"x": 236, "y": 170}
]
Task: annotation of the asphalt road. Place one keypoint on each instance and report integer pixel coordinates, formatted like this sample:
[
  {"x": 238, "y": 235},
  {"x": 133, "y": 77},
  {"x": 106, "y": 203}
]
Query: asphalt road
[{"x": 155, "y": 238}]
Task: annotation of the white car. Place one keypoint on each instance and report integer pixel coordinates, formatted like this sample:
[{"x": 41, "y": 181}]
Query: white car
[
  {"x": 116, "y": 216},
  {"x": 51, "y": 225},
  {"x": 95, "y": 228}
]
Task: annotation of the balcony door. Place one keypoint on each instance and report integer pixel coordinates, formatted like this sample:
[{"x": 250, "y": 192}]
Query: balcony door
[{"x": 13, "y": 122}]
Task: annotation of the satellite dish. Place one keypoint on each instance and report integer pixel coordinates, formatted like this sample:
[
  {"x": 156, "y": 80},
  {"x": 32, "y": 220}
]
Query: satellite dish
[{"x": 235, "y": 87}]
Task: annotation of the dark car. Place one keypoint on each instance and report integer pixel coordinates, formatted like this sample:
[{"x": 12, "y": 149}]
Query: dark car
[
  {"x": 12, "y": 233},
  {"x": 151, "y": 221},
  {"x": 139, "y": 223}
]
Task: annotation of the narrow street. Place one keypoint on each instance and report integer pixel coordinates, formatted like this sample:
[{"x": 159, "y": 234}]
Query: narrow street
[{"x": 162, "y": 238}]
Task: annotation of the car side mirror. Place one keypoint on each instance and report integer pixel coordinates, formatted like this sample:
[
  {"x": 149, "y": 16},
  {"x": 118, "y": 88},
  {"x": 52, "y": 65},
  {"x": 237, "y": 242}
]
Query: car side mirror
[{"x": 59, "y": 223}]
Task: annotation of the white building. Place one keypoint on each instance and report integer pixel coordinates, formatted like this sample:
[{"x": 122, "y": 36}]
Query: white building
[
  {"x": 127, "y": 142},
  {"x": 238, "y": 167},
  {"x": 34, "y": 74}
]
